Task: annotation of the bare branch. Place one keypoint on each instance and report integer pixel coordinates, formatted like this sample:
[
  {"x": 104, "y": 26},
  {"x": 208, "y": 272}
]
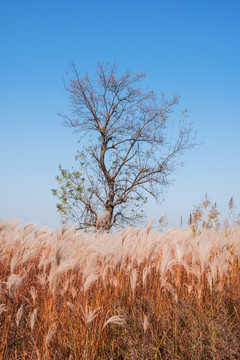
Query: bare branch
[{"x": 131, "y": 153}]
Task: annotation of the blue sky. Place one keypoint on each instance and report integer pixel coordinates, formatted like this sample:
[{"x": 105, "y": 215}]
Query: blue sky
[{"x": 187, "y": 47}]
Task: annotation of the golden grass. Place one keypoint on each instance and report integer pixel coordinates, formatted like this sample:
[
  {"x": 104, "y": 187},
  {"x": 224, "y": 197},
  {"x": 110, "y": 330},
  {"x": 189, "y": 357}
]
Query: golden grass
[{"x": 133, "y": 294}]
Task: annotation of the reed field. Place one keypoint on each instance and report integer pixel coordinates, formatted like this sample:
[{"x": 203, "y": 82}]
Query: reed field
[{"x": 137, "y": 293}]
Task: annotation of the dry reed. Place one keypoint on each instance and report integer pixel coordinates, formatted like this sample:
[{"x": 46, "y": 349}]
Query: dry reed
[{"x": 133, "y": 294}]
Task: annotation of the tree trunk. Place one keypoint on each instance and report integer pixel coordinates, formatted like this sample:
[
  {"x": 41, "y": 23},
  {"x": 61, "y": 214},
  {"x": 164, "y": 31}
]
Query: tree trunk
[
  {"x": 107, "y": 224},
  {"x": 104, "y": 220}
]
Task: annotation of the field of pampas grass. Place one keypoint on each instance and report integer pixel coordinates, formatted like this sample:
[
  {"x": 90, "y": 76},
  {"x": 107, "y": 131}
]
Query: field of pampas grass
[{"x": 134, "y": 294}]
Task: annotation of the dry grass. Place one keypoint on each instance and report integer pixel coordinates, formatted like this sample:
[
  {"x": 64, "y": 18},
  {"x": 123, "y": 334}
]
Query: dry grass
[{"x": 135, "y": 294}]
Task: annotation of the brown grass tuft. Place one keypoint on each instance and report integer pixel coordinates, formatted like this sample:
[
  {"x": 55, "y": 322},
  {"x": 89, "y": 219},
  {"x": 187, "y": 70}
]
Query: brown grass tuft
[{"x": 135, "y": 294}]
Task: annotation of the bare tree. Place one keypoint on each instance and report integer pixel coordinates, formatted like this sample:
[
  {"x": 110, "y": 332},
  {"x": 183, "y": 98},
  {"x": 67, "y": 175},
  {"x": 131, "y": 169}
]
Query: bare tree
[{"x": 132, "y": 148}]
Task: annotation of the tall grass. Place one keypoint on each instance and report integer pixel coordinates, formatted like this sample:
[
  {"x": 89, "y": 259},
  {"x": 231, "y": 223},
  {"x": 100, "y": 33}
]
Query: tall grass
[{"x": 133, "y": 294}]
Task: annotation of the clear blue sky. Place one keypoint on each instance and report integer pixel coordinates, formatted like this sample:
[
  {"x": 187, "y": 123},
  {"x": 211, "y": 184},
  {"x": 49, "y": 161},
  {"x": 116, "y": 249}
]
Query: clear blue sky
[{"x": 187, "y": 47}]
